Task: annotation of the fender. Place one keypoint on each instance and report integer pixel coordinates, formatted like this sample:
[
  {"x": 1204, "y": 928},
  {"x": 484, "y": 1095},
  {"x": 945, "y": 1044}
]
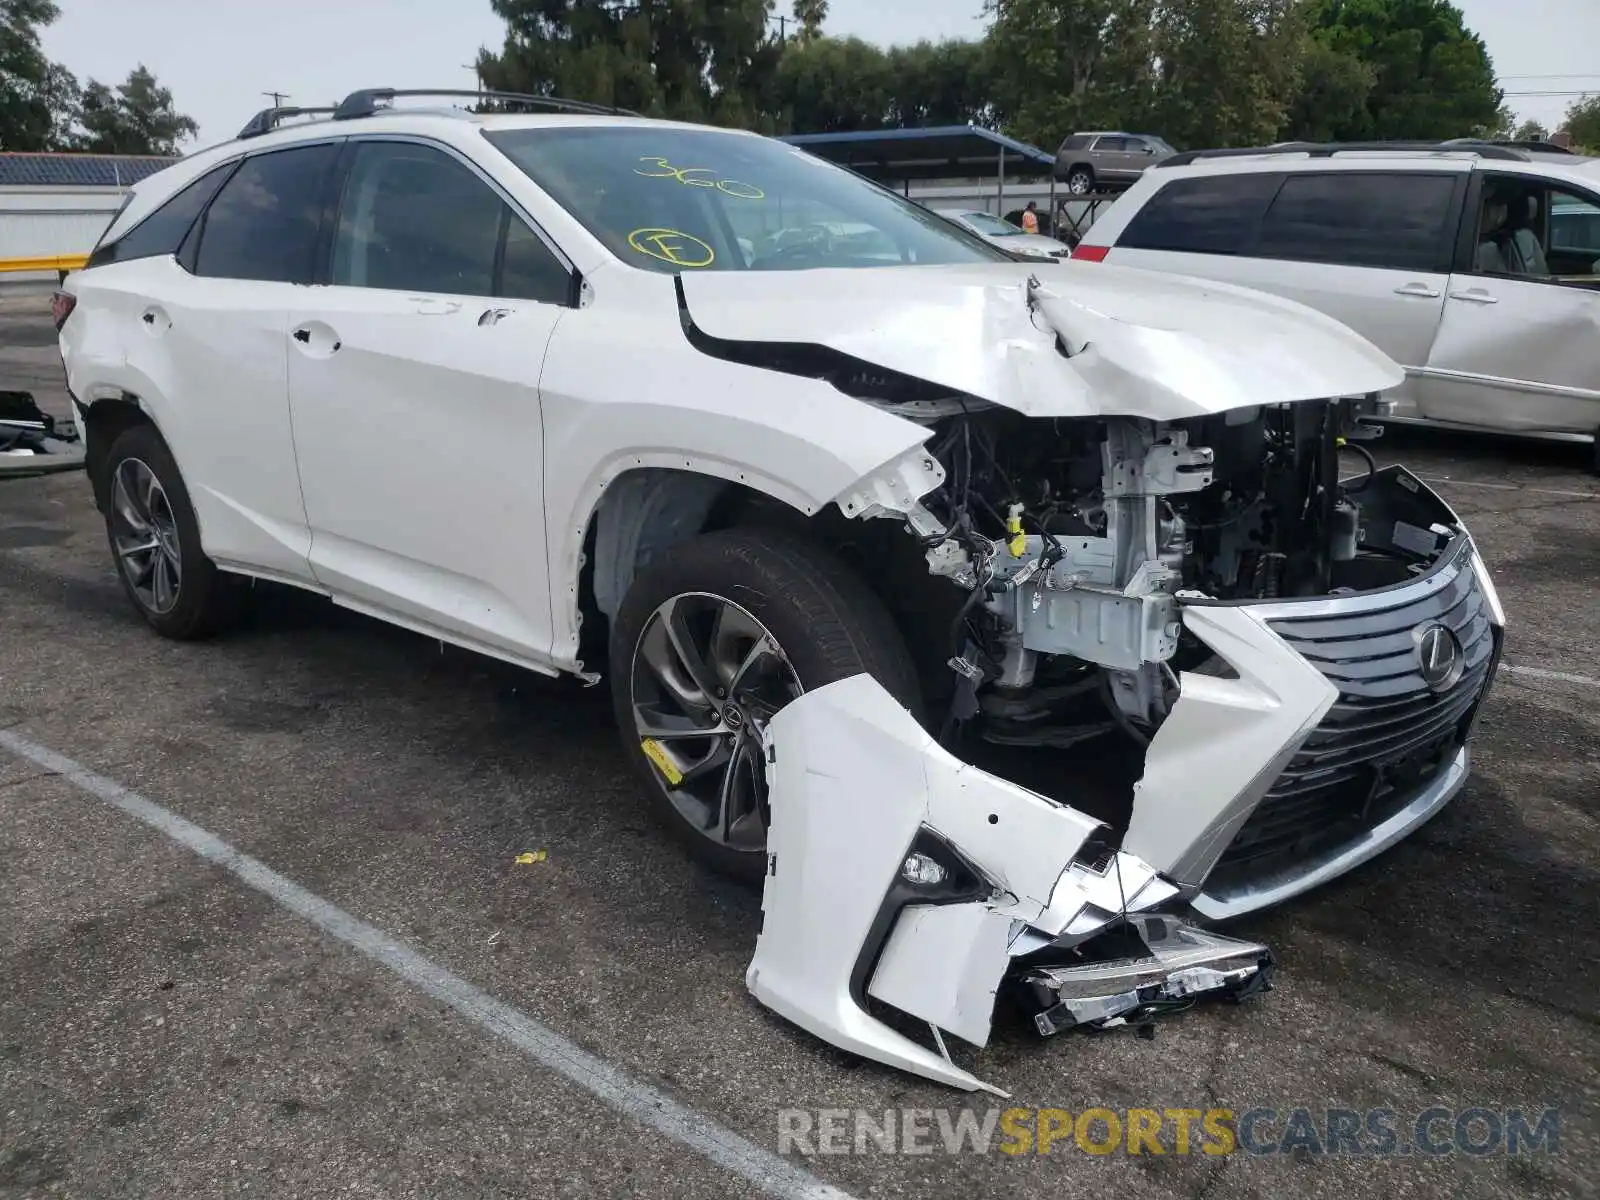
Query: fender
[{"x": 666, "y": 406}]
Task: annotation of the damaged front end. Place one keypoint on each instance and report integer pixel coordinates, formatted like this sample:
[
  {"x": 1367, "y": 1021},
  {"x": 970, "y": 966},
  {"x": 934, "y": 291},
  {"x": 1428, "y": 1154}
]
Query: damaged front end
[{"x": 1192, "y": 672}]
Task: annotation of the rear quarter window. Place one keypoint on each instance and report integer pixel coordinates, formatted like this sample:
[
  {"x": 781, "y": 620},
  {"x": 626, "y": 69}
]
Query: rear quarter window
[
  {"x": 163, "y": 229},
  {"x": 1212, "y": 214}
]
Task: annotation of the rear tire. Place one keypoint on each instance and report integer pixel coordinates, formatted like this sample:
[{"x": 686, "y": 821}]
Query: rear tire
[
  {"x": 155, "y": 541},
  {"x": 733, "y": 590},
  {"x": 1080, "y": 181}
]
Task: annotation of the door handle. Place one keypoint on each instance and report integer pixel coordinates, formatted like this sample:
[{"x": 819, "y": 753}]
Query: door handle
[
  {"x": 327, "y": 340},
  {"x": 1420, "y": 290},
  {"x": 1475, "y": 296},
  {"x": 493, "y": 316}
]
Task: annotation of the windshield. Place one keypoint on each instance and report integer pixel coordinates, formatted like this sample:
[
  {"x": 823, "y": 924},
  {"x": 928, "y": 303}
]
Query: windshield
[
  {"x": 988, "y": 223},
  {"x": 669, "y": 198}
]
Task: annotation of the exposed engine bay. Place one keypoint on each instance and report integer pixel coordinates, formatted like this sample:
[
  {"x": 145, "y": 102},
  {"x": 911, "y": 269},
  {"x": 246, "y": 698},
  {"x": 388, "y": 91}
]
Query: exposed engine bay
[{"x": 1077, "y": 540}]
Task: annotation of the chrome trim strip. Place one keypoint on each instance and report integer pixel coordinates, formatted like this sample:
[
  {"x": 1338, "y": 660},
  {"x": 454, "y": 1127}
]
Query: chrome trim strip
[
  {"x": 1536, "y": 435},
  {"x": 1531, "y": 387},
  {"x": 1226, "y": 904}
]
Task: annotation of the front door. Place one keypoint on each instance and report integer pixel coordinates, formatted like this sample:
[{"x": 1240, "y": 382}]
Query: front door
[
  {"x": 1516, "y": 349},
  {"x": 413, "y": 379}
]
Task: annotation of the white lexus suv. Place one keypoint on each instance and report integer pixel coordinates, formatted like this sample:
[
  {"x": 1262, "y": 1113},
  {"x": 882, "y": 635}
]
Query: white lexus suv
[{"x": 994, "y": 624}]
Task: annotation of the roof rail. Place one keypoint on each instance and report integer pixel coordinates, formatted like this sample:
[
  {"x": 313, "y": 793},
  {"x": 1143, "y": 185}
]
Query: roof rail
[
  {"x": 368, "y": 101},
  {"x": 268, "y": 119},
  {"x": 1329, "y": 149},
  {"x": 1534, "y": 145}
]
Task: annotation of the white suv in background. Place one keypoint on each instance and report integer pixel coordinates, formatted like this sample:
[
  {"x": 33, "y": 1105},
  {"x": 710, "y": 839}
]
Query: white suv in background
[{"x": 1476, "y": 266}]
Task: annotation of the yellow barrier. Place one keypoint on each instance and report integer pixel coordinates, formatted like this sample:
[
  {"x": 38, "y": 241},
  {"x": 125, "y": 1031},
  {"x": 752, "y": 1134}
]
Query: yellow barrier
[{"x": 55, "y": 262}]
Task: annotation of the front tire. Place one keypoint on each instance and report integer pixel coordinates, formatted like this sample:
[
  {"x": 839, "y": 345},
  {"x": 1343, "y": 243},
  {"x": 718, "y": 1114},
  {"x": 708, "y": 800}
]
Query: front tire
[
  {"x": 710, "y": 643},
  {"x": 155, "y": 541}
]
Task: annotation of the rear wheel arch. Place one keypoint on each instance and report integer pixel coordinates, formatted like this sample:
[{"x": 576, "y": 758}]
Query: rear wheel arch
[{"x": 104, "y": 421}]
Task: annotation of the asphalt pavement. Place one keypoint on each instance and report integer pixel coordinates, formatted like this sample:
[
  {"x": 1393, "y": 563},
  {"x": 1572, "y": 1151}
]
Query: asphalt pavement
[{"x": 263, "y": 929}]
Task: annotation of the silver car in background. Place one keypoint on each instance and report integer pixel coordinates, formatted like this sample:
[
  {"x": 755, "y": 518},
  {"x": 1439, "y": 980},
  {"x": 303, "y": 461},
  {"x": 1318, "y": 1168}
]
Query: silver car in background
[{"x": 1004, "y": 234}]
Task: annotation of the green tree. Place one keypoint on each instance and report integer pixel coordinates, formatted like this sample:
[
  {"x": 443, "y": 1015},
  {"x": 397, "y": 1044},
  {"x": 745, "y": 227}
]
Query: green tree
[
  {"x": 137, "y": 118},
  {"x": 38, "y": 98},
  {"x": 703, "y": 60},
  {"x": 1432, "y": 76},
  {"x": 944, "y": 83},
  {"x": 1062, "y": 65},
  {"x": 834, "y": 85},
  {"x": 1333, "y": 93},
  {"x": 809, "y": 16},
  {"x": 1531, "y": 131},
  {"x": 1583, "y": 123},
  {"x": 1227, "y": 70}
]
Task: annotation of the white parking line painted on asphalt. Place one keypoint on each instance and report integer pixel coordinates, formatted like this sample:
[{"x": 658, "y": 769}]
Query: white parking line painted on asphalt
[
  {"x": 1552, "y": 676},
  {"x": 645, "y": 1104},
  {"x": 1510, "y": 487}
]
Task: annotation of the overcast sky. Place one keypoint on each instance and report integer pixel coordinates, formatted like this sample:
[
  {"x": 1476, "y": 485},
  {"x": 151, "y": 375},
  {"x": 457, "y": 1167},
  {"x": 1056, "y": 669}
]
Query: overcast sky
[{"x": 219, "y": 56}]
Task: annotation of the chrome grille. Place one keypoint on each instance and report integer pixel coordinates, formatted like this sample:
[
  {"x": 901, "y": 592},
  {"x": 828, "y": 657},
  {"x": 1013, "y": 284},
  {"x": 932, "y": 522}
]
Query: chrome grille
[{"x": 1387, "y": 734}]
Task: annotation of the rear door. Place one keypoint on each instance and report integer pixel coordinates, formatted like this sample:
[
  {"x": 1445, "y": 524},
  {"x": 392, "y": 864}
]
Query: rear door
[
  {"x": 414, "y": 377},
  {"x": 1370, "y": 248},
  {"x": 1112, "y": 158},
  {"x": 213, "y": 339},
  {"x": 1517, "y": 347}
]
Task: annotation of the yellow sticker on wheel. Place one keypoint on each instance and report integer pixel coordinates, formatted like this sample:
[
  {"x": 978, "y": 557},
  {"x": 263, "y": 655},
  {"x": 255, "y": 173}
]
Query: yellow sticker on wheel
[{"x": 653, "y": 751}]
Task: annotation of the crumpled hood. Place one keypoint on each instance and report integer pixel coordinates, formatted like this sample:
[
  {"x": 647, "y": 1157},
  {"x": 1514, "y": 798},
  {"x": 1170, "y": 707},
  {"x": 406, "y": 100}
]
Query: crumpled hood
[{"x": 1139, "y": 343}]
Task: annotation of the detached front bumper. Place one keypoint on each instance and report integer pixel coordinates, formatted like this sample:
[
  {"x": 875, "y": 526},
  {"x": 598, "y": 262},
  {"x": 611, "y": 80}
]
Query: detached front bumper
[{"x": 901, "y": 878}]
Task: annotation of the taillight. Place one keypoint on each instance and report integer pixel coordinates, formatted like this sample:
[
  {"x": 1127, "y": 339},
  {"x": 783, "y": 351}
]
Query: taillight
[
  {"x": 1090, "y": 253},
  {"x": 61, "y": 306}
]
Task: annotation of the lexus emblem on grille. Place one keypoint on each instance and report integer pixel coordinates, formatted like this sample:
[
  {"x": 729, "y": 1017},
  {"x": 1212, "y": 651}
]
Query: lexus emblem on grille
[{"x": 1439, "y": 657}]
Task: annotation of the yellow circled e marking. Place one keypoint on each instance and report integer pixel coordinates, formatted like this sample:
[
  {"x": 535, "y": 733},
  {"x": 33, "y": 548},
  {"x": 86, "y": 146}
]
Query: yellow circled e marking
[{"x": 672, "y": 246}]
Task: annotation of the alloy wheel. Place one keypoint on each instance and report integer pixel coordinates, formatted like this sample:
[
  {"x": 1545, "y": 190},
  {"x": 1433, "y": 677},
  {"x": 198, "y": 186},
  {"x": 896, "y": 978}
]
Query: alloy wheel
[
  {"x": 707, "y": 676},
  {"x": 144, "y": 533}
]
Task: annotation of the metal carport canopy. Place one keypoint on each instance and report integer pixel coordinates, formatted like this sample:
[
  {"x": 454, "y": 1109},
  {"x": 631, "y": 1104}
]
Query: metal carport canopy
[{"x": 942, "y": 152}]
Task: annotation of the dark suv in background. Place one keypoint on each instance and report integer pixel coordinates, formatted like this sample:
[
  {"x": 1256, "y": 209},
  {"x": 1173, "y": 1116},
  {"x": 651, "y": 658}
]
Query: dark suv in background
[{"x": 1106, "y": 161}]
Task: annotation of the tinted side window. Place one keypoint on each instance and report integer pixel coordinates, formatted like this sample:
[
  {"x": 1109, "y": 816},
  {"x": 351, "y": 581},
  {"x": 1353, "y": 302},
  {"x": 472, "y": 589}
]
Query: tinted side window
[
  {"x": 1362, "y": 219},
  {"x": 264, "y": 222},
  {"x": 162, "y": 231},
  {"x": 528, "y": 270},
  {"x": 1210, "y": 215},
  {"x": 1076, "y": 142},
  {"x": 1112, "y": 143},
  {"x": 414, "y": 219}
]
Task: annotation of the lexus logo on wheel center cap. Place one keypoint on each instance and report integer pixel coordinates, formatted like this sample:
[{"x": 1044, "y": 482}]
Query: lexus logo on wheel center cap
[{"x": 1439, "y": 657}]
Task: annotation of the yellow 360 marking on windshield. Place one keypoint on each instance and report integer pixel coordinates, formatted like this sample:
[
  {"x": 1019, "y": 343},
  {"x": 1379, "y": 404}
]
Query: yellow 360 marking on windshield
[
  {"x": 731, "y": 187},
  {"x": 672, "y": 246}
]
